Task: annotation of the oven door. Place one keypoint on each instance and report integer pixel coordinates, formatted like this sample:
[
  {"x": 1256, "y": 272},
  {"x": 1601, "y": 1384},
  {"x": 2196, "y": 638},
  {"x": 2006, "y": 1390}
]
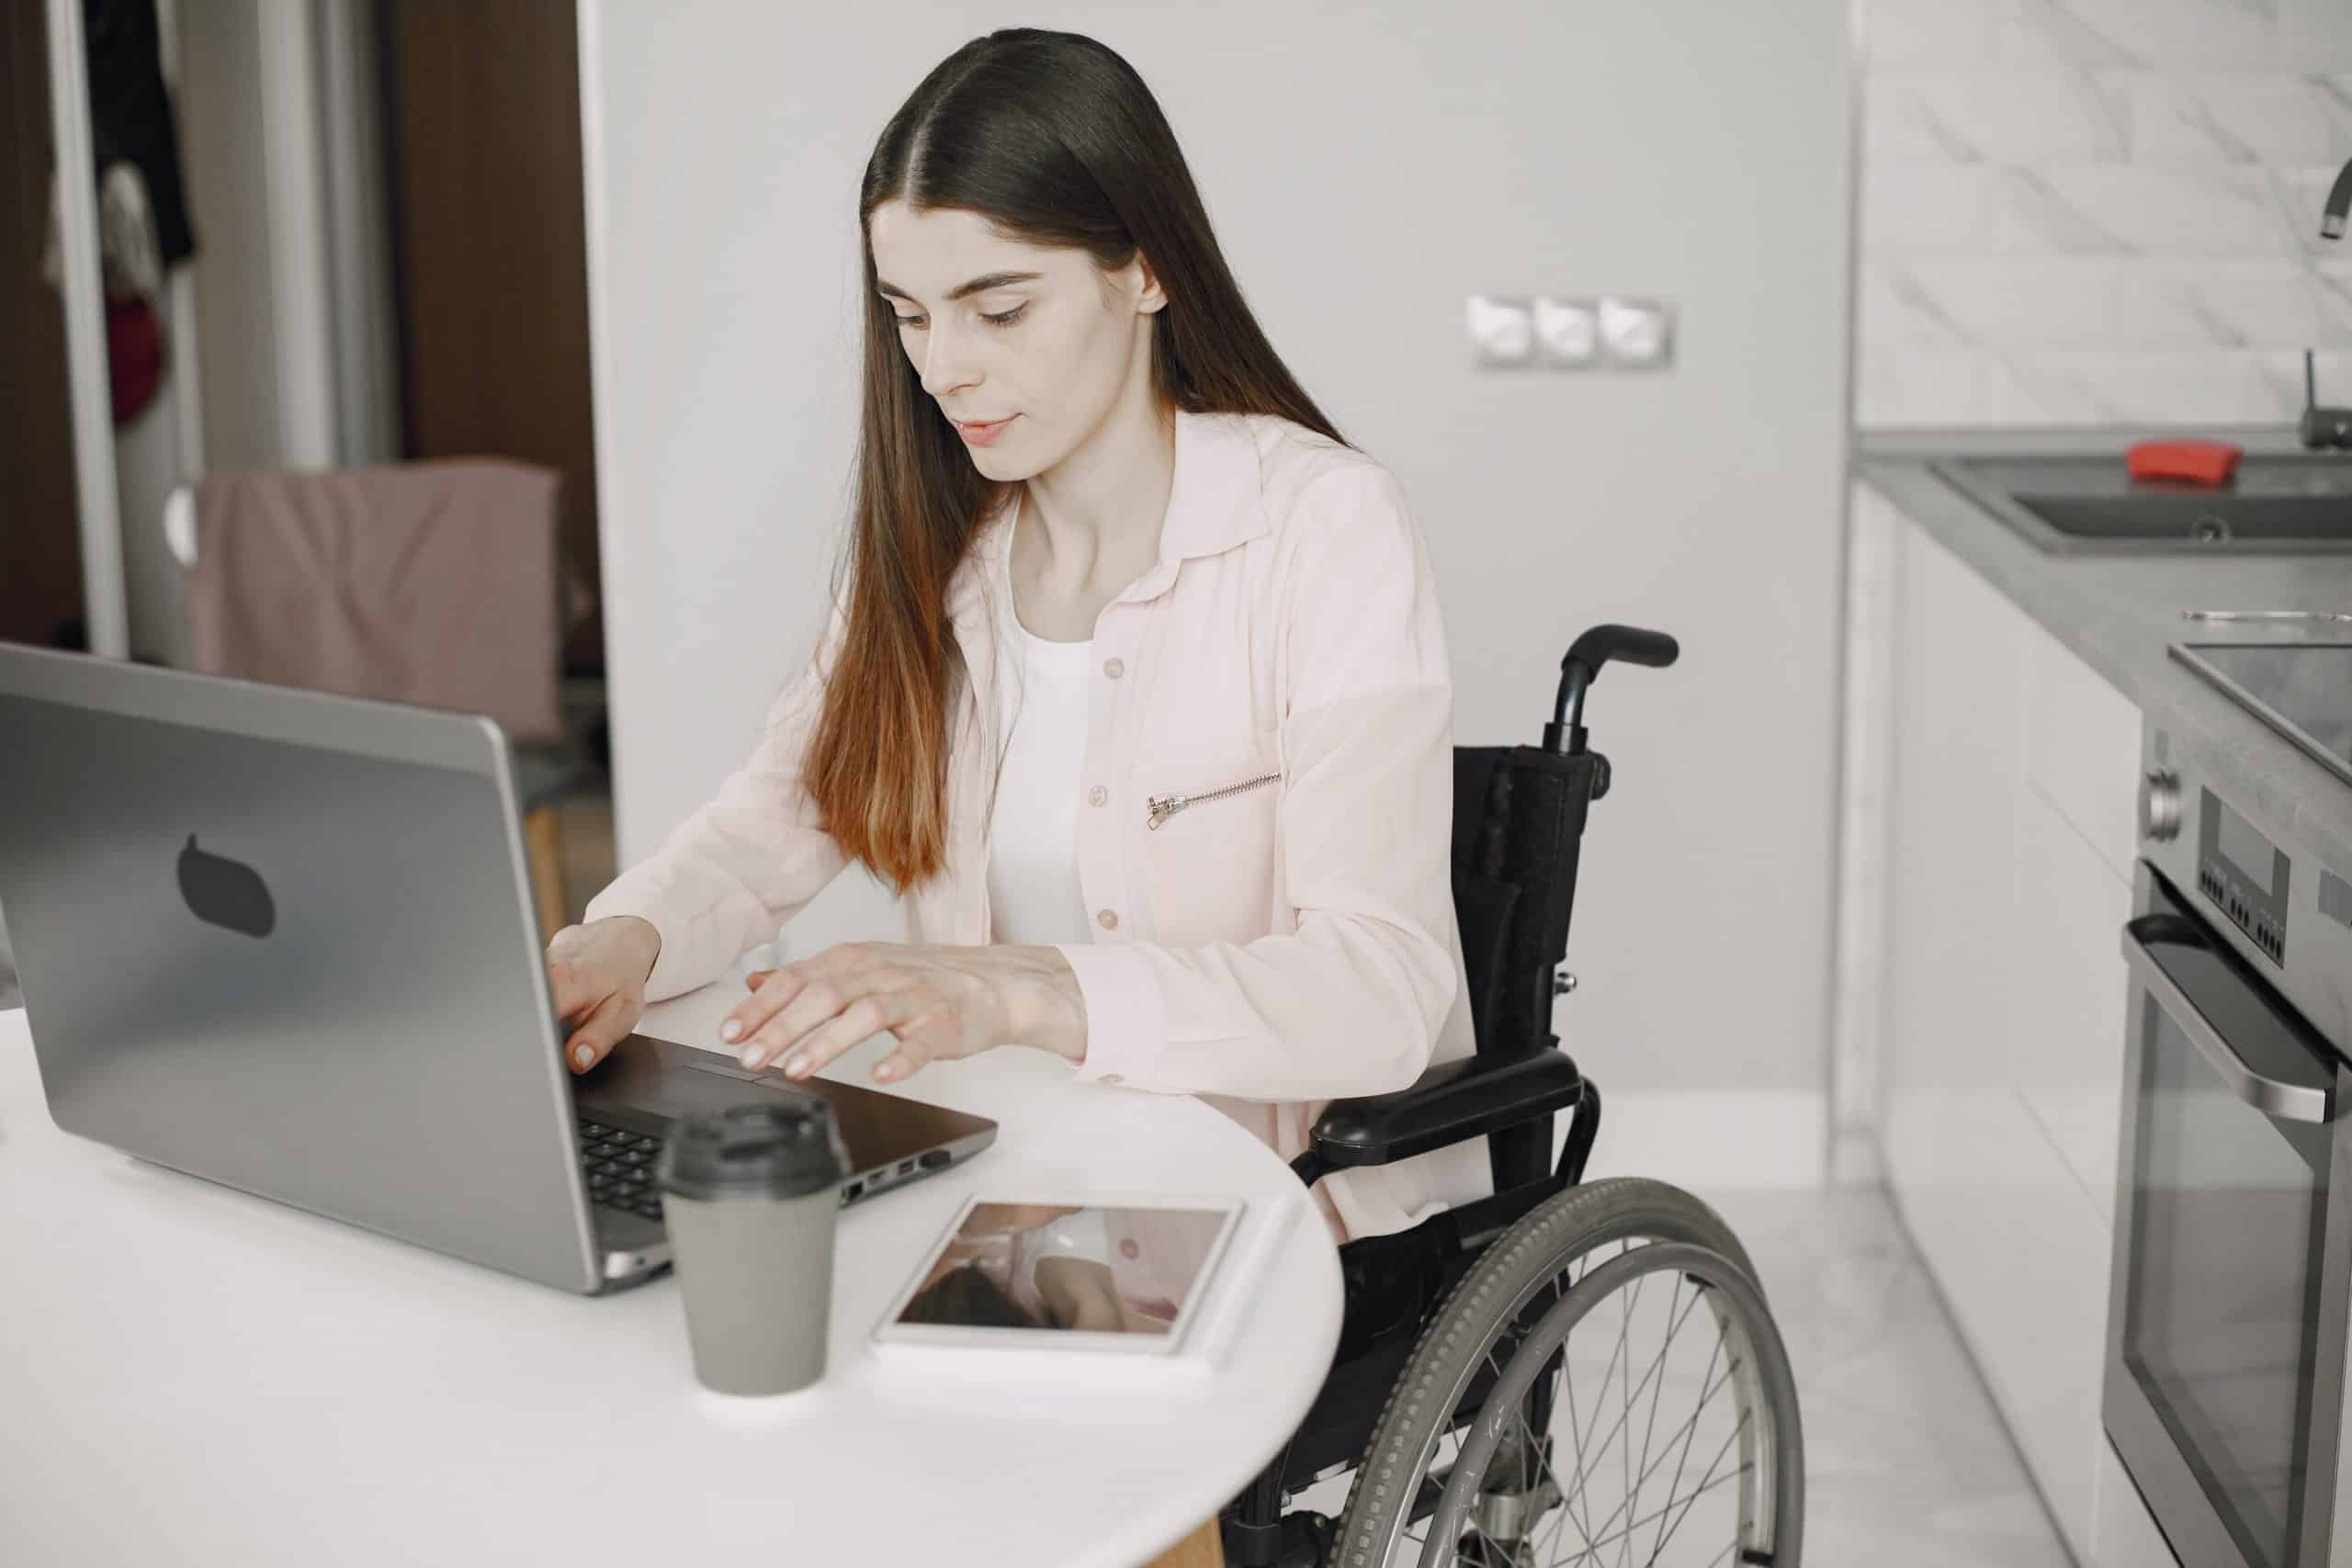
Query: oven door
[{"x": 2227, "y": 1316}]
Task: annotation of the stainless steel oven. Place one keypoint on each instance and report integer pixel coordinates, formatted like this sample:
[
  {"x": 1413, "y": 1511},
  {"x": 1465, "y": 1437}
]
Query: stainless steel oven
[{"x": 2224, "y": 1388}]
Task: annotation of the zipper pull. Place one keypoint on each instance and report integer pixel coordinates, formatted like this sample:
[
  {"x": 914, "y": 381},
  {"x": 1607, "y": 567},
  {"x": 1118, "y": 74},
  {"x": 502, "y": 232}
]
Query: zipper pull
[{"x": 1162, "y": 809}]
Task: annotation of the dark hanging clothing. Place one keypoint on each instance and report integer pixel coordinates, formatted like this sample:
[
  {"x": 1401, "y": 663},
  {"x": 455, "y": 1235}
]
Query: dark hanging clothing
[{"x": 130, "y": 114}]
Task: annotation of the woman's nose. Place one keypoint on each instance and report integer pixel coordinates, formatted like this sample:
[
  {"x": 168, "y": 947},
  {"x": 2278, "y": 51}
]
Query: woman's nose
[{"x": 946, "y": 364}]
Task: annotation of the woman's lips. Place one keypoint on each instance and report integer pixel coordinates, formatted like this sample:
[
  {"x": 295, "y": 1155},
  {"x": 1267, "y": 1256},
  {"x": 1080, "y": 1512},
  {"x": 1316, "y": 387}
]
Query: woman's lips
[{"x": 981, "y": 434}]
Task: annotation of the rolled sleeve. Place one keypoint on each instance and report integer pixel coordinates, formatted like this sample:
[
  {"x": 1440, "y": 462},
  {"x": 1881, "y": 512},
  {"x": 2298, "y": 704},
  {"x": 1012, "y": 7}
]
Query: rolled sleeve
[
  {"x": 730, "y": 874},
  {"x": 1127, "y": 1021}
]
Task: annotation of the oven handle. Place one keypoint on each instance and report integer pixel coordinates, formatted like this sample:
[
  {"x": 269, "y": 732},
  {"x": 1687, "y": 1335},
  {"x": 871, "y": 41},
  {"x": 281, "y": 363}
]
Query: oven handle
[{"x": 2286, "y": 1102}]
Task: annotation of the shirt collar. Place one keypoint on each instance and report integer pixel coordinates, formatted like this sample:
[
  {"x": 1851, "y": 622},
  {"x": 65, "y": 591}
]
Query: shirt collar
[{"x": 1213, "y": 504}]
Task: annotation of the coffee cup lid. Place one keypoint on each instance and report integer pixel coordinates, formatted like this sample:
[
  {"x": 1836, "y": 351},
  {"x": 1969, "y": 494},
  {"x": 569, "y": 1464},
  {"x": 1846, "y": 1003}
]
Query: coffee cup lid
[{"x": 768, "y": 1149}]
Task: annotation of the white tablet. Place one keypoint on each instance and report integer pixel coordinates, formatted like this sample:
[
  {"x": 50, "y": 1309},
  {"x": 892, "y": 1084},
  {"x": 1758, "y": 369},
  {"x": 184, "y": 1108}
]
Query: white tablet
[{"x": 1066, "y": 1273}]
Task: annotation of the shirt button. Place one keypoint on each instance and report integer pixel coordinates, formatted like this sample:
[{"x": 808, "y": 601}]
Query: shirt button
[
  {"x": 1114, "y": 668},
  {"x": 1113, "y": 1077},
  {"x": 1108, "y": 920},
  {"x": 1097, "y": 796},
  {"x": 1128, "y": 1248}
]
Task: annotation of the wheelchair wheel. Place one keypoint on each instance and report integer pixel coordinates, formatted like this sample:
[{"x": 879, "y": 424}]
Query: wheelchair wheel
[{"x": 1571, "y": 1402}]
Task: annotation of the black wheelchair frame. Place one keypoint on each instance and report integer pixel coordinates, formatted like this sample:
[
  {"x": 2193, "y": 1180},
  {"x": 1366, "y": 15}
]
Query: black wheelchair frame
[{"x": 1519, "y": 818}]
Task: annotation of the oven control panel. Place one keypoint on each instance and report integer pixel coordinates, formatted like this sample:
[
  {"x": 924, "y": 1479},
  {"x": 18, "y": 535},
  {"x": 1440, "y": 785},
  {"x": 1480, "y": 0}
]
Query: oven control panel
[{"x": 2243, "y": 875}]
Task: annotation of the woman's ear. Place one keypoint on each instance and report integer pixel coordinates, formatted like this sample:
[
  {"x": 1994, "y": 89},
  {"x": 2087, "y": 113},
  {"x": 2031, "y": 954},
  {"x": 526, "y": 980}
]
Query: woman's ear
[{"x": 1150, "y": 298}]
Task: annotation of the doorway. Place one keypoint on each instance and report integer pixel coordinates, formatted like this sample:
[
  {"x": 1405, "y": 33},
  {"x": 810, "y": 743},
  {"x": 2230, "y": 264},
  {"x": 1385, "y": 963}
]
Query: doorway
[{"x": 389, "y": 266}]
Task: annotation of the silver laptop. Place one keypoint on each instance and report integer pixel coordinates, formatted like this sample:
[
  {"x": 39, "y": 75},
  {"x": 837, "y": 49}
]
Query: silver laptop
[{"x": 282, "y": 940}]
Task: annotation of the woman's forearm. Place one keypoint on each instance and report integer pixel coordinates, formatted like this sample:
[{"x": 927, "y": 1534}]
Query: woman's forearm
[{"x": 1048, "y": 1010}]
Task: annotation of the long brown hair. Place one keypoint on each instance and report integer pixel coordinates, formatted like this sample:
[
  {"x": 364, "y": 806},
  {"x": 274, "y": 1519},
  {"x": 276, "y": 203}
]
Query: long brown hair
[{"x": 1054, "y": 138}]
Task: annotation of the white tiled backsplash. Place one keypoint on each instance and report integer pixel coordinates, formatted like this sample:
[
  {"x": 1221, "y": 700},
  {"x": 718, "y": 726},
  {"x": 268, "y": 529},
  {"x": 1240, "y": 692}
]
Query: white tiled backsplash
[{"x": 2101, "y": 211}]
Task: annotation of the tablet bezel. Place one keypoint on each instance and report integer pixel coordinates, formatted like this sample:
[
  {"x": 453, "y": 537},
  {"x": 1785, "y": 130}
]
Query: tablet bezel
[{"x": 890, "y": 1331}]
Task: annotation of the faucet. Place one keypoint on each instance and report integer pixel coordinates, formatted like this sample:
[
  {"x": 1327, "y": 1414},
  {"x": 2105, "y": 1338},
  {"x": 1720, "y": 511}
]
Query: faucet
[{"x": 2324, "y": 428}]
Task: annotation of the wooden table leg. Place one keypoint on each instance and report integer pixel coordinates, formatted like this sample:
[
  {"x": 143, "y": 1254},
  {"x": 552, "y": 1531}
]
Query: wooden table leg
[
  {"x": 1202, "y": 1548},
  {"x": 543, "y": 833}
]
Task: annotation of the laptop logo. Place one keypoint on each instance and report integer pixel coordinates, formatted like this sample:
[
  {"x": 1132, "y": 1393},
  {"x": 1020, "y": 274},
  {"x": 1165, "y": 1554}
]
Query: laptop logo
[{"x": 222, "y": 892}]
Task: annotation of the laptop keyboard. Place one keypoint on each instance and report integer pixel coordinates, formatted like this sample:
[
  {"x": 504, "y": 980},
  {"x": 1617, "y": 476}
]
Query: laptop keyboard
[{"x": 619, "y": 1165}]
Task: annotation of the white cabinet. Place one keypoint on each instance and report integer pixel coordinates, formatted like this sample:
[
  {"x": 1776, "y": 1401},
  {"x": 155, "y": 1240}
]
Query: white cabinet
[
  {"x": 2127, "y": 1536},
  {"x": 2008, "y": 843}
]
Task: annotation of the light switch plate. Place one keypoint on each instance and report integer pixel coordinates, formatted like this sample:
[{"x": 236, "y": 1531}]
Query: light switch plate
[
  {"x": 1502, "y": 330},
  {"x": 1568, "y": 331},
  {"x": 1637, "y": 333}
]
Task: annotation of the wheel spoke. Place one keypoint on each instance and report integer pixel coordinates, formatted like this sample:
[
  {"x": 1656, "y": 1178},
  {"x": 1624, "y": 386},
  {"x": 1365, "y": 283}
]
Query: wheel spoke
[
  {"x": 1584, "y": 1438},
  {"x": 1569, "y": 1502},
  {"x": 1651, "y": 1429},
  {"x": 1705, "y": 1487},
  {"x": 1632, "y": 1526},
  {"x": 1660, "y": 1545},
  {"x": 1687, "y": 1430},
  {"x": 1596, "y": 1538},
  {"x": 1585, "y": 1475},
  {"x": 1566, "y": 1504},
  {"x": 1625, "y": 1325}
]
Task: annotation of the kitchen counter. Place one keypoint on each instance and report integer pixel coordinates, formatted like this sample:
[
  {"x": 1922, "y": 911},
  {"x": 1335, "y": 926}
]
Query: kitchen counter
[{"x": 2120, "y": 611}]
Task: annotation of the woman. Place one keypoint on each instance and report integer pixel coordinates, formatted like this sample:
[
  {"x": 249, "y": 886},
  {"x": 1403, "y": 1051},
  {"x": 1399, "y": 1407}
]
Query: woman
[{"x": 1138, "y": 693}]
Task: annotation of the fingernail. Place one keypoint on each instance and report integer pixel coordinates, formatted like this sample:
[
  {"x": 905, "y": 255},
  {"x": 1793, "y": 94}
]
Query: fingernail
[
  {"x": 886, "y": 1070},
  {"x": 754, "y": 1056},
  {"x": 731, "y": 1031},
  {"x": 797, "y": 1067},
  {"x": 584, "y": 1055}
]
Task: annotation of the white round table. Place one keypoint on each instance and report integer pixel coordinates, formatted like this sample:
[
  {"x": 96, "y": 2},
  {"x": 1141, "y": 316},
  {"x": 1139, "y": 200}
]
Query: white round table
[{"x": 193, "y": 1375}]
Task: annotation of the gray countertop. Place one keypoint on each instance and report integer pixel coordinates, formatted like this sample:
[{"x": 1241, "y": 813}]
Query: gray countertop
[{"x": 2121, "y": 611}]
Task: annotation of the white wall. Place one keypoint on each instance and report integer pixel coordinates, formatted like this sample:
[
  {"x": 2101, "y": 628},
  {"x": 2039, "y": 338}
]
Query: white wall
[
  {"x": 1366, "y": 167},
  {"x": 2102, "y": 212}
]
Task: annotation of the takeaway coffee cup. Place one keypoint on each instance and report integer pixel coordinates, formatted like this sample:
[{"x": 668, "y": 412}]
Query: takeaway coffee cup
[{"x": 751, "y": 1196}]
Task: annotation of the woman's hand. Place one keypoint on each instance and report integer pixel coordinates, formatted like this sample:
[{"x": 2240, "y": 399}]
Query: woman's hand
[
  {"x": 597, "y": 973},
  {"x": 1082, "y": 1295},
  {"x": 938, "y": 1001}
]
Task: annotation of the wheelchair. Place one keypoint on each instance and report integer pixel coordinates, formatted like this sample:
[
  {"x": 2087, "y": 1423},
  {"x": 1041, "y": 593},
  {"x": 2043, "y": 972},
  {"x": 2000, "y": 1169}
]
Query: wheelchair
[{"x": 1501, "y": 1392}]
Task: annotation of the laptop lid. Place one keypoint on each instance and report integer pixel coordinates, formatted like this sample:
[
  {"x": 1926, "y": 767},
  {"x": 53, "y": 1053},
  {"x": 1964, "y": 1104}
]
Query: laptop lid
[
  {"x": 282, "y": 940},
  {"x": 651, "y": 1082}
]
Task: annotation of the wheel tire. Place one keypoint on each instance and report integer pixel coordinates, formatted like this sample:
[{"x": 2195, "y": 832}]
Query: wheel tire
[{"x": 1544, "y": 1241}]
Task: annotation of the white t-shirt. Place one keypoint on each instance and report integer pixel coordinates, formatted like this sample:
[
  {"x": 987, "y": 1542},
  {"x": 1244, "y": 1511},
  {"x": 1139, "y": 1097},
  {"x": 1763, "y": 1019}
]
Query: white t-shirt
[{"x": 1034, "y": 895}]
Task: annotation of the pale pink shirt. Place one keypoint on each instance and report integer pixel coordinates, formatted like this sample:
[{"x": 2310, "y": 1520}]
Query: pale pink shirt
[{"x": 1268, "y": 951}]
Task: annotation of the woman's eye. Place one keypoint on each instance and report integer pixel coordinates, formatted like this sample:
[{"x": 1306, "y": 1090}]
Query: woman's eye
[{"x": 1005, "y": 319}]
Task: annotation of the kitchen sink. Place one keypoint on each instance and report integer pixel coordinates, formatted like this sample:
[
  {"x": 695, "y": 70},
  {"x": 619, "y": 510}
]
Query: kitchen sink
[{"x": 2276, "y": 505}]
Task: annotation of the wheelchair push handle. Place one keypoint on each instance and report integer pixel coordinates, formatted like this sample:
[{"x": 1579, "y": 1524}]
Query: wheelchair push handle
[
  {"x": 1581, "y": 668},
  {"x": 1628, "y": 645}
]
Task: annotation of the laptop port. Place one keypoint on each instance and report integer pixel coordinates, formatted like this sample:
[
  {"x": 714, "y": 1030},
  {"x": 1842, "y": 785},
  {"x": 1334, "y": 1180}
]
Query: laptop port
[
  {"x": 851, "y": 1193},
  {"x": 905, "y": 1166}
]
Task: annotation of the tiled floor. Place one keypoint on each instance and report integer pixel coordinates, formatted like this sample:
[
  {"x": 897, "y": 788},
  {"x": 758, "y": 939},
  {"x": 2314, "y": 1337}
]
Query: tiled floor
[{"x": 1906, "y": 1462}]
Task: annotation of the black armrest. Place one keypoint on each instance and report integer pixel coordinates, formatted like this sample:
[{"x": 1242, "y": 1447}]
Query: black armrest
[{"x": 1449, "y": 1104}]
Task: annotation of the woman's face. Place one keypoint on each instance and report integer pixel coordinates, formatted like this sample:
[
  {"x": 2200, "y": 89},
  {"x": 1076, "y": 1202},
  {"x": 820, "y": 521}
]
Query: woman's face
[{"x": 1044, "y": 348}]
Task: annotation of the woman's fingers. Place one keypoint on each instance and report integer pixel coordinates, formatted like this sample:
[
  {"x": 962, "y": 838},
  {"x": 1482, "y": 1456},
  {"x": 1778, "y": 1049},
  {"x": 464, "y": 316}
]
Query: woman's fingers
[
  {"x": 772, "y": 992},
  {"x": 567, "y": 989},
  {"x": 834, "y": 1032},
  {"x": 598, "y": 1032},
  {"x": 904, "y": 1062}
]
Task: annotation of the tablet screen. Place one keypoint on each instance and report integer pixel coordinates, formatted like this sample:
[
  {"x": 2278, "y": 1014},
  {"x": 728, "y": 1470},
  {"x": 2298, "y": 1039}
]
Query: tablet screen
[{"x": 1064, "y": 1268}]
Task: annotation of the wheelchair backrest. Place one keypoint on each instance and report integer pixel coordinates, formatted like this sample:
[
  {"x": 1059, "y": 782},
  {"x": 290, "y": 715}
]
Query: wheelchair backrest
[{"x": 1519, "y": 815}]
